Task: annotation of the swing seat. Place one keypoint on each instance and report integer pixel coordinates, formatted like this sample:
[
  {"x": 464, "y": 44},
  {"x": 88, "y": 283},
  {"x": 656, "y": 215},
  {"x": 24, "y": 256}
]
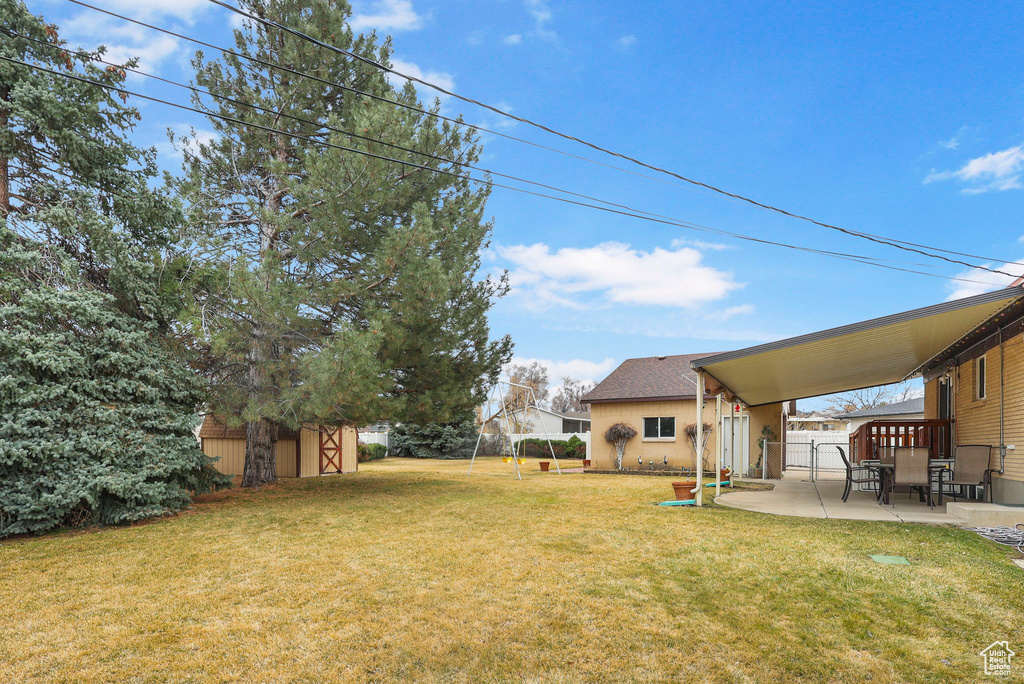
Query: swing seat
[
  {"x": 522, "y": 461},
  {"x": 506, "y": 459}
]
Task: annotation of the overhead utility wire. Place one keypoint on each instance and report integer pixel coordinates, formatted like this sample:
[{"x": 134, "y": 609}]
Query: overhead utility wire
[
  {"x": 899, "y": 244},
  {"x": 92, "y": 57},
  {"x": 483, "y": 129},
  {"x": 855, "y": 258}
]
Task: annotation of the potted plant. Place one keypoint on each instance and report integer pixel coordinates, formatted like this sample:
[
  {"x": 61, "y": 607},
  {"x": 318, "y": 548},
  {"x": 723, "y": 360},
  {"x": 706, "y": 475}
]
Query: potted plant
[
  {"x": 684, "y": 489},
  {"x": 586, "y": 463},
  {"x": 544, "y": 465}
]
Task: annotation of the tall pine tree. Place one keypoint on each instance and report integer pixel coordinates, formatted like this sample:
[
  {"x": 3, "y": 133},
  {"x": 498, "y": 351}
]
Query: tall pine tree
[{"x": 344, "y": 289}]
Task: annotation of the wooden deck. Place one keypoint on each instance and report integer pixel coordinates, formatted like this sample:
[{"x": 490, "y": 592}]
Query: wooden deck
[{"x": 871, "y": 439}]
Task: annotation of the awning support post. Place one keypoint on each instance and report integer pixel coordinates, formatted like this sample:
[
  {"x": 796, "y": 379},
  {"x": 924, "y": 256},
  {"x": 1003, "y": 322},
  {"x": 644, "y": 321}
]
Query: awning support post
[
  {"x": 698, "y": 448},
  {"x": 718, "y": 447}
]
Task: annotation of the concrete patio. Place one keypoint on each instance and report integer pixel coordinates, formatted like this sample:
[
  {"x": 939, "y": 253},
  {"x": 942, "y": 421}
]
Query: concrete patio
[{"x": 824, "y": 499}]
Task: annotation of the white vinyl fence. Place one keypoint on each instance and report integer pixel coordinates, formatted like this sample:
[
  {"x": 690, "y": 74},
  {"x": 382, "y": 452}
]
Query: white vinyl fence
[{"x": 814, "y": 454}]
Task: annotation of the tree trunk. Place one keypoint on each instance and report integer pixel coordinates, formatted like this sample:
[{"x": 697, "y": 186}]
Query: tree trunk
[
  {"x": 260, "y": 453},
  {"x": 5, "y": 180},
  {"x": 619, "y": 450}
]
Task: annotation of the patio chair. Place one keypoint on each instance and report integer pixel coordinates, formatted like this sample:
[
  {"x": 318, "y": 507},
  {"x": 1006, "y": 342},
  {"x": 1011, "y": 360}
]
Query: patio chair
[
  {"x": 852, "y": 476},
  {"x": 910, "y": 469},
  {"x": 970, "y": 469}
]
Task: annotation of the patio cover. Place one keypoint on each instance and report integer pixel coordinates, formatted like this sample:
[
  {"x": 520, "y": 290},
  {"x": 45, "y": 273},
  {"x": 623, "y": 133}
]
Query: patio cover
[{"x": 875, "y": 352}]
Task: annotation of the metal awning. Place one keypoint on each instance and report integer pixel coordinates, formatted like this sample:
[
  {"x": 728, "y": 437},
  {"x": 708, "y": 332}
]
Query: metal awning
[{"x": 876, "y": 352}]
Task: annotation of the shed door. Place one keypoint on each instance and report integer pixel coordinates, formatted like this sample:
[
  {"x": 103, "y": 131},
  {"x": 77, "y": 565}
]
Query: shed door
[
  {"x": 736, "y": 443},
  {"x": 330, "y": 450}
]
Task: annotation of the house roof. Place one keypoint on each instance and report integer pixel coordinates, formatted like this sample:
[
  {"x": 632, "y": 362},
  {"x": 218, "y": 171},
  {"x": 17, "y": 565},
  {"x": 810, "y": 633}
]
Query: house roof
[
  {"x": 899, "y": 408},
  {"x": 216, "y": 427},
  {"x": 572, "y": 415},
  {"x": 648, "y": 379},
  {"x": 879, "y": 351}
]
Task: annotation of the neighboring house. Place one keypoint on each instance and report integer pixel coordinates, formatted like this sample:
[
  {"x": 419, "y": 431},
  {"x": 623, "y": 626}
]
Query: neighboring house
[
  {"x": 539, "y": 421},
  {"x": 814, "y": 422},
  {"x": 911, "y": 409},
  {"x": 978, "y": 382},
  {"x": 307, "y": 452},
  {"x": 657, "y": 396}
]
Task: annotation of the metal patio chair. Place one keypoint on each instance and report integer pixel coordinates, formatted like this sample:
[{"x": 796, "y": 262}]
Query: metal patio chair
[
  {"x": 852, "y": 476},
  {"x": 910, "y": 469},
  {"x": 970, "y": 469}
]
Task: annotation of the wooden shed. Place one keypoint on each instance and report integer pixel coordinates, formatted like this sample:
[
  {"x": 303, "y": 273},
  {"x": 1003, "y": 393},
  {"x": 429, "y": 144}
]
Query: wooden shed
[{"x": 309, "y": 452}]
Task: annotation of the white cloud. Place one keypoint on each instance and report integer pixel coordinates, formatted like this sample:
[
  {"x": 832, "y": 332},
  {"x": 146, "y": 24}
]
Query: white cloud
[
  {"x": 614, "y": 273},
  {"x": 985, "y": 281},
  {"x": 186, "y": 10},
  {"x": 541, "y": 13},
  {"x": 700, "y": 244},
  {"x": 581, "y": 369},
  {"x": 124, "y": 40},
  {"x": 625, "y": 42},
  {"x": 188, "y": 137},
  {"x": 514, "y": 39},
  {"x": 954, "y": 142},
  {"x": 729, "y": 312},
  {"x": 441, "y": 78},
  {"x": 387, "y": 15},
  {"x": 996, "y": 171}
]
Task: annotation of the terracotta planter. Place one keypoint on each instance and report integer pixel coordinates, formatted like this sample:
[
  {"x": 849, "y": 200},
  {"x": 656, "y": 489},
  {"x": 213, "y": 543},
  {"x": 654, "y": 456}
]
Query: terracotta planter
[
  {"x": 682, "y": 489},
  {"x": 544, "y": 465},
  {"x": 586, "y": 463}
]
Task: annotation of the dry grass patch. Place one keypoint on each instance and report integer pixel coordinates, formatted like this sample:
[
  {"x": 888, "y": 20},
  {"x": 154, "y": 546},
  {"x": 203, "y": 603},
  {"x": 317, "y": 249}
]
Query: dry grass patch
[{"x": 411, "y": 571}]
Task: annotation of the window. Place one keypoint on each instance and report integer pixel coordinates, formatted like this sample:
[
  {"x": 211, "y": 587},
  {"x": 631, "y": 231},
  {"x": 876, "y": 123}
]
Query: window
[
  {"x": 659, "y": 428},
  {"x": 979, "y": 377}
]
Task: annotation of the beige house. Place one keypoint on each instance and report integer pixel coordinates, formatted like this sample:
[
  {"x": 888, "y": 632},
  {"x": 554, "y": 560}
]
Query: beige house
[
  {"x": 978, "y": 384},
  {"x": 308, "y": 452},
  {"x": 657, "y": 396}
]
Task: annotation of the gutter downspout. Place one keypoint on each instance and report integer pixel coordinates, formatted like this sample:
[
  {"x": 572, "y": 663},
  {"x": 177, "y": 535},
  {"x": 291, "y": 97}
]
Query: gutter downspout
[{"x": 1002, "y": 440}]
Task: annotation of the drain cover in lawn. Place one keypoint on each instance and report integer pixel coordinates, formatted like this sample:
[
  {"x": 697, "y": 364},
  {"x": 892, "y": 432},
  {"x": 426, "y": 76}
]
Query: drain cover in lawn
[{"x": 890, "y": 560}]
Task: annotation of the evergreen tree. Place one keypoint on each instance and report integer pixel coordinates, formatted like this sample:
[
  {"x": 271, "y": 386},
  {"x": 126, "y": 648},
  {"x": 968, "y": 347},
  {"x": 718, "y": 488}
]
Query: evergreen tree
[
  {"x": 97, "y": 417},
  {"x": 71, "y": 179},
  {"x": 96, "y": 408},
  {"x": 343, "y": 289}
]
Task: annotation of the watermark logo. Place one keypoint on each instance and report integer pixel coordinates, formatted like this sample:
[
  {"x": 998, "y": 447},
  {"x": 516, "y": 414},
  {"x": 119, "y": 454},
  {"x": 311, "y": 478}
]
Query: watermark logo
[{"x": 997, "y": 658}]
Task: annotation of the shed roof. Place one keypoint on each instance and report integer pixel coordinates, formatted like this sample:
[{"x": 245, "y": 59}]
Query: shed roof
[
  {"x": 899, "y": 408},
  {"x": 216, "y": 427},
  {"x": 874, "y": 352},
  {"x": 650, "y": 378}
]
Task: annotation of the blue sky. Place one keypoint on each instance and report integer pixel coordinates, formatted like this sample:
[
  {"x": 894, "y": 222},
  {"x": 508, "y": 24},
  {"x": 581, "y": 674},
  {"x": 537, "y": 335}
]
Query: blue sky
[{"x": 901, "y": 119}]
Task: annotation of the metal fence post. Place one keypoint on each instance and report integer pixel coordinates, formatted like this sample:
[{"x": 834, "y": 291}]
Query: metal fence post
[{"x": 814, "y": 460}]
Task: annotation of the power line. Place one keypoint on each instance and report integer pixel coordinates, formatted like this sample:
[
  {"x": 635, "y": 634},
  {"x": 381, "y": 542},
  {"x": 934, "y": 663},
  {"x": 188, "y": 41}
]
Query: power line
[
  {"x": 459, "y": 122},
  {"x": 872, "y": 261},
  {"x": 278, "y": 114},
  {"x": 899, "y": 244}
]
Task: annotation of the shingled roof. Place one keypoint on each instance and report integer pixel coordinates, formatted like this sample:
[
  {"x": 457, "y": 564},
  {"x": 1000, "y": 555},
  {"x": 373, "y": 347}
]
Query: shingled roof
[
  {"x": 216, "y": 427},
  {"x": 900, "y": 408},
  {"x": 651, "y": 378}
]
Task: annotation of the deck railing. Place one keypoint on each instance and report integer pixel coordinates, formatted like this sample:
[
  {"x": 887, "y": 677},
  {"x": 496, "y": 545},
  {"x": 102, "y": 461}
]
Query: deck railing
[{"x": 870, "y": 439}]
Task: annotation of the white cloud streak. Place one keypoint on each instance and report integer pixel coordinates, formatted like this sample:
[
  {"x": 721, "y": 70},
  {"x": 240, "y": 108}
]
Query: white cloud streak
[
  {"x": 441, "y": 78},
  {"x": 988, "y": 281},
  {"x": 615, "y": 272},
  {"x": 387, "y": 15},
  {"x": 581, "y": 369},
  {"x": 997, "y": 171}
]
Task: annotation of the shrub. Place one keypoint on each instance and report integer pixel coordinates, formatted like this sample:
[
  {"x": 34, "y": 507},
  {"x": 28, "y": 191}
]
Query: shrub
[
  {"x": 434, "y": 440},
  {"x": 538, "y": 447},
  {"x": 96, "y": 416},
  {"x": 371, "y": 452},
  {"x": 575, "y": 448}
]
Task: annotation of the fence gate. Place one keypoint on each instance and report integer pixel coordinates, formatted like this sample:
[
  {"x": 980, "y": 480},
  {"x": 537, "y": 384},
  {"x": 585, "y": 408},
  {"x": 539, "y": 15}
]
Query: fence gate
[
  {"x": 808, "y": 461},
  {"x": 330, "y": 450}
]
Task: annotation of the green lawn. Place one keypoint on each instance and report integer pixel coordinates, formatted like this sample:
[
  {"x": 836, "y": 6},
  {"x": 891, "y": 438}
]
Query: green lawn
[{"x": 412, "y": 571}]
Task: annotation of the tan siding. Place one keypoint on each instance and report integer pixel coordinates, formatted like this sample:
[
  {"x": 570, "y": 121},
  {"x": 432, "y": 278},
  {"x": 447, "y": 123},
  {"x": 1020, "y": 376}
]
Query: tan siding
[
  {"x": 230, "y": 452},
  {"x": 931, "y": 399},
  {"x": 680, "y": 450},
  {"x": 310, "y": 453},
  {"x": 286, "y": 457},
  {"x": 232, "y": 455},
  {"x": 977, "y": 420}
]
